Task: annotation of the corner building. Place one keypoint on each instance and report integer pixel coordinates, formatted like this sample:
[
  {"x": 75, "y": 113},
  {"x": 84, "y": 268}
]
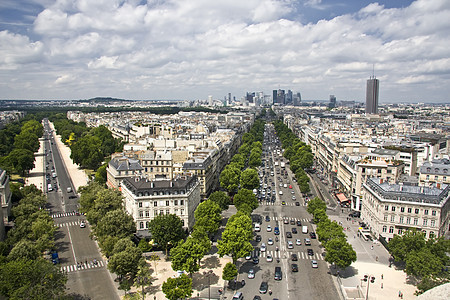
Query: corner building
[{"x": 145, "y": 199}]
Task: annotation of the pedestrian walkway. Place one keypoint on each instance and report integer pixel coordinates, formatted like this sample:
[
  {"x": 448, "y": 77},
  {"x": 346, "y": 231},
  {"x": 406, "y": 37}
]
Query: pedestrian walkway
[
  {"x": 67, "y": 214},
  {"x": 290, "y": 219},
  {"x": 287, "y": 254},
  {"x": 82, "y": 266},
  {"x": 72, "y": 223}
]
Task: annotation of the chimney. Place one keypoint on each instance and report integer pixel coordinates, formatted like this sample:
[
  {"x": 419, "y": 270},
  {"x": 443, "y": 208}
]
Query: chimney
[
  {"x": 381, "y": 180},
  {"x": 438, "y": 185}
]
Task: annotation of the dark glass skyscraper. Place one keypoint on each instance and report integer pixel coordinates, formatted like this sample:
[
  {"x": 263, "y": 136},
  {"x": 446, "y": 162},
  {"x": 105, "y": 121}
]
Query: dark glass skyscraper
[{"x": 372, "y": 89}]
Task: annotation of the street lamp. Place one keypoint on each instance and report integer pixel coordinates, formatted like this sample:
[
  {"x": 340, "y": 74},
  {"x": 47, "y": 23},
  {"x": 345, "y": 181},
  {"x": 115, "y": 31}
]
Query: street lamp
[
  {"x": 208, "y": 275},
  {"x": 369, "y": 279}
]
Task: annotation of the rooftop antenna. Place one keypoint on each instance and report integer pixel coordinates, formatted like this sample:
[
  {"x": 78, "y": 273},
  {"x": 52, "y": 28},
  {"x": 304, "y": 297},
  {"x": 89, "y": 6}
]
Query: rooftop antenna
[{"x": 373, "y": 71}]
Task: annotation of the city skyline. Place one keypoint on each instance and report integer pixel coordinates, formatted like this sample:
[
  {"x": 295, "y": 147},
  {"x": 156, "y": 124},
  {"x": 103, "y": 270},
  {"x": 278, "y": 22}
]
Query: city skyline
[{"x": 143, "y": 50}]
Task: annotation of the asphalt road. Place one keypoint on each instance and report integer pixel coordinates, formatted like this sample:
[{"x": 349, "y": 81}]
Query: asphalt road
[
  {"x": 308, "y": 282},
  {"x": 79, "y": 254}
]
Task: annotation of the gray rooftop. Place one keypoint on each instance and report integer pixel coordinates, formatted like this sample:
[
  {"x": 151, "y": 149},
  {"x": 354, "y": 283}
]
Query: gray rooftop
[
  {"x": 142, "y": 184},
  {"x": 124, "y": 163},
  {"x": 382, "y": 151},
  {"x": 436, "y": 167}
]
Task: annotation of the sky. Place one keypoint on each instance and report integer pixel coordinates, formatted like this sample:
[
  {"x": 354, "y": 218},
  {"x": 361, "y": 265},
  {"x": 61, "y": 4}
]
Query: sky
[{"x": 190, "y": 49}]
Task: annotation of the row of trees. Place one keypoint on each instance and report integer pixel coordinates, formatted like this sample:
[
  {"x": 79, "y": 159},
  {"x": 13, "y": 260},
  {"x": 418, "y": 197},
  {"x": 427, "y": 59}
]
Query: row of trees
[
  {"x": 24, "y": 273},
  {"x": 297, "y": 152},
  {"x": 18, "y": 147},
  {"x": 338, "y": 251},
  {"x": 89, "y": 146},
  {"x": 427, "y": 260}
]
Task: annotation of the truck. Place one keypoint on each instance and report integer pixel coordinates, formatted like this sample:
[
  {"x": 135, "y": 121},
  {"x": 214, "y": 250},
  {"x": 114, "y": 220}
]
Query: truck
[{"x": 283, "y": 164}]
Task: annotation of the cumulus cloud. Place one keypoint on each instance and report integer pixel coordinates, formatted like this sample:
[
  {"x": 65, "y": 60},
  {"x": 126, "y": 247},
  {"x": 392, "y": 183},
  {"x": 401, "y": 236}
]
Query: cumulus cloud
[{"x": 195, "y": 48}]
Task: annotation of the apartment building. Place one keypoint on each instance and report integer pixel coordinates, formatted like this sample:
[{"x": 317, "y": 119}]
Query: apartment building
[
  {"x": 121, "y": 167},
  {"x": 435, "y": 171},
  {"x": 145, "y": 199},
  {"x": 390, "y": 209},
  {"x": 5, "y": 200}
]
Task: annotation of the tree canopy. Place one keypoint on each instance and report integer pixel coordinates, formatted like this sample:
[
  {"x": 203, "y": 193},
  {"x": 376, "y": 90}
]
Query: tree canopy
[
  {"x": 236, "y": 237},
  {"x": 166, "y": 230},
  {"x": 221, "y": 198},
  {"x": 177, "y": 288}
]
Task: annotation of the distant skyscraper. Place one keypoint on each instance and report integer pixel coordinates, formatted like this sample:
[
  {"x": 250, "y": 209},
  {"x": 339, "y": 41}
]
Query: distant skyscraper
[
  {"x": 332, "y": 103},
  {"x": 372, "y": 89},
  {"x": 297, "y": 99}
]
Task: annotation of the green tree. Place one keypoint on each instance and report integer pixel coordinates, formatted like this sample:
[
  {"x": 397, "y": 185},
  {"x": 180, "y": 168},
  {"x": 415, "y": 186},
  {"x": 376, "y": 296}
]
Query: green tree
[
  {"x": 255, "y": 159},
  {"x": 125, "y": 262},
  {"x": 144, "y": 245},
  {"x": 143, "y": 277},
  {"x": 105, "y": 200},
  {"x": 207, "y": 215},
  {"x": 221, "y": 198},
  {"x": 177, "y": 288},
  {"x": 236, "y": 238},
  {"x": 22, "y": 160},
  {"x": 328, "y": 230},
  {"x": 422, "y": 263},
  {"x": 27, "y": 140},
  {"x": 87, "y": 152},
  {"x": 249, "y": 179},
  {"x": 24, "y": 250},
  {"x": 320, "y": 215},
  {"x": 316, "y": 203},
  {"x": 100, "y": 175},
  {"x": 247, "y": 197},
  {"x": 166, "y": 230},
  {"x": 187, "y": 256},
  {"x": 411, "y": 240},
  {"x": 31, "y": 279},
  {"x": 89, "y": 195},
  {"x": 340, "y": 253},
  {"x": 115, "y": 223},
  {"x": 229, "y": 272},
  {"x": 229, "y": 178}
]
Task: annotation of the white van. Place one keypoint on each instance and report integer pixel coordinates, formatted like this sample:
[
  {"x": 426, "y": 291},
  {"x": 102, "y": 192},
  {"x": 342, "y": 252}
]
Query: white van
[
  {"x": 304, "y": 229},
  {"x": 238, "y": 296}
]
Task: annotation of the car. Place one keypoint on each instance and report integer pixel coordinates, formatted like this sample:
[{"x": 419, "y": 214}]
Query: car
[
  {"x": 294, "y": 257},
  {"x": 298, "y": 242},
  {"x": 290, "y": 186},
  {"x": 310, "y": 252},
  {"x": 290, "y": 245},
  {"x": 286, "y": 221},
  {"x": 270, "y": 241},
  {"x": 269, "y": 228},
  {"x": 258, "y": 238},
  {"x": 299, "y": 223},
  {"x": 263, "y": 247},
  {"x": 280, "y": 192},
  {"x": 294, "y": 230},
  {"x": 281, "y": 184},
  {"x": 238, "y": 296},
  {"x": 314, "y": 264},
  {"x": 251, "y": 274},
  {"x": 278, "y": 274},
  {"x": 269, "y": 258},
  {"x": 82, "y": 224},
  {"x": 283, "y": 202},
  {"x": 297, "y": 203},
  {"x": 294, "y": 198},
  {"x": 288, "y": 234},
  {"x": 292, "y": 222},
  {"x": 263, "y": 287},
  {"x": 312, "y": 235},
  {"x": 255, "y": 259},
  {"x": 249, "y": 256},
  {"x": 307, "y": 242},
  {"x": 267, "y": 219},
  {"x": 294, "y": 268},
  {"x": 292, "y": 192},
  {"x": 256, "y": 297},
  {"x": 276, "y": 231}
]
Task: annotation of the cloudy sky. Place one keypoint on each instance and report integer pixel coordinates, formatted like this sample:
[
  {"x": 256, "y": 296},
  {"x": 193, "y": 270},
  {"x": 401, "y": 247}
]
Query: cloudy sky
[{"x": 189, "y": 49}]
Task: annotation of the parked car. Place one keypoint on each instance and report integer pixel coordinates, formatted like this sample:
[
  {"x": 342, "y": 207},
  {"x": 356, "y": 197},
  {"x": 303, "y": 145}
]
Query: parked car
[
  {"x": 310, "y": 252},
  {"x": 251, "y": 274},
  {"x": 294, "y": 257},
  {"x": 263, "y": 287},
  {"x": 314, "y": 264},
  {"x": 294, "y": 268}
]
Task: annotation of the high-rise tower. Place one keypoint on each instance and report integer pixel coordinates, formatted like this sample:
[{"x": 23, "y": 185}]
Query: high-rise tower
[{"x": 372, "y": 89}]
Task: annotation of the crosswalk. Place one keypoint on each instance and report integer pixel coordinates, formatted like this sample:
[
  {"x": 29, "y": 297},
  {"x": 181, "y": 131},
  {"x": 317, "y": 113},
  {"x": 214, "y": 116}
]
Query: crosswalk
[
  {"x": 67, "y": 224},
  {"x": 265, "y": 203},
  {"x": 67, "y": 214},
  {"x": 82, "y": 266},
  {"x": 289, "y": 219},
  {"x": 287, "y": 254}
]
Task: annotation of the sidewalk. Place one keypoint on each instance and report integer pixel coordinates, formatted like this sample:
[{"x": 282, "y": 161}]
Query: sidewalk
[{"x": 37, "y": 175}]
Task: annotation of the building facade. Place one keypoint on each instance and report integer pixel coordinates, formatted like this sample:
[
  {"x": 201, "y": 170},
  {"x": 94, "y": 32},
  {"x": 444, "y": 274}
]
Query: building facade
[
  {"x": 390, "y": 209},
  {"x": 372, "y": 91},
  {"x": 145, "y": 199}
]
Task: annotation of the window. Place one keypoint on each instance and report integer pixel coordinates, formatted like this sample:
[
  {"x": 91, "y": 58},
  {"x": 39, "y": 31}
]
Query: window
[
  {"x": 408, "y": 220},
  {"x": 181, "y": 202},
  {"x": 385, "y": 218},
  {"x": 167, "y": 203},
  {"x": 175, "y": 202},
  {"x": 384, "y": 228},
  {"x": 161, "y": 212},
  {"x": 431, "y": 234},
  {"x": 402, "y": 209},
  {"x": 416, "y": 211},
  {"x": 181, "y": 212},
  {"x": 401, "y": 220},
  {"x": 432, "y": 223},
  {"x": 167, "y": 212},
  {"x": 433, "y": 212},
  {"x": 141, "y": 214},
  {"x": 391, "y": 229},
  {"x": 400, "y": 231},
  {"x": 141, "y": 225},
  {"x": 155, "y": 203},
  {"x": 425, "y": 211},
  {"x": 425, "y": 222},
  {"x": 386, "y": 207},
  {"x": 416, "y": 221},
  {"x": 146, "y": 224},
  {"x": 428, "y": 177},
  {"x": 436, "y": 177},
  {"x": 147, "y": 213},
  {"x": 140, "y": 204},
  {"x": 444, "y": 178},
  {"x": 392, "y": 218},
  {"x": 393, "y": 208},
  {"x": 409, "y": 210}
]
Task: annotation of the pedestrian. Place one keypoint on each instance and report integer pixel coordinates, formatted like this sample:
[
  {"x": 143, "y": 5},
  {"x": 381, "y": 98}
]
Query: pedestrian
[
  {"x": 376, "y": 258},
  {"x": 371, "y": 247},
  {"x": 381, "y": 285},
  {"x": 399, "y": 293},
  {"x": 381, "y": 276}
]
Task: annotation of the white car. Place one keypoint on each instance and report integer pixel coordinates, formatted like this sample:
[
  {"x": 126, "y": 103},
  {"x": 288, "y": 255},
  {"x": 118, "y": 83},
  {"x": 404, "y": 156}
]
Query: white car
[
  {"x": 263, "y": 247},
  {"x": 314, "y": 264},
  {"x": 292, "y": 192},
  {"x": 290, "y": 245},
  {"x": 249, "y": 256},
  {"x": 251, "y": 274},
  {"x": 270, "y": 241},
  {"x": 269, "y": 228},
  {"x": 298, "y": 242},
  {"x": 82, "y": 224},
  {"x": 269, "y": 258}
]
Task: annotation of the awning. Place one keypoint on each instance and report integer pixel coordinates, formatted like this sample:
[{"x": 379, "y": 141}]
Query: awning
[{"x": 341, "y": 197}]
